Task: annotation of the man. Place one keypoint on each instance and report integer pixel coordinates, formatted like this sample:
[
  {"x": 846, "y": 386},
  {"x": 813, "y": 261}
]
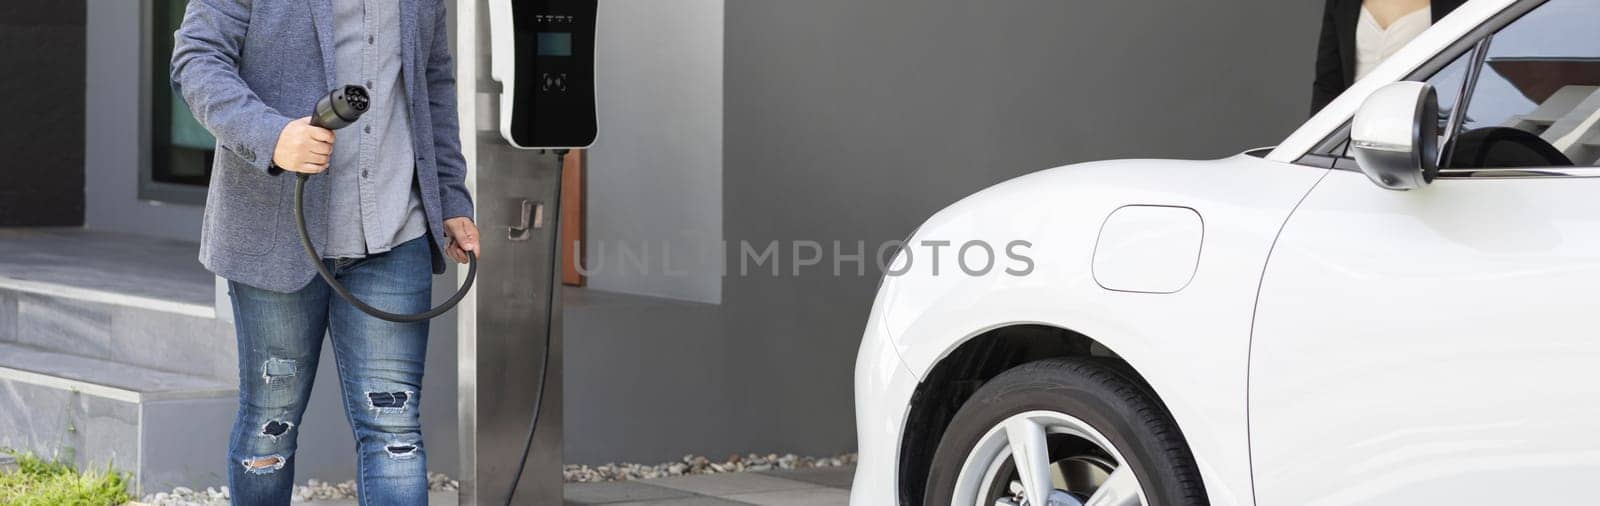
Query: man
[{"x": 392, "y": 203}]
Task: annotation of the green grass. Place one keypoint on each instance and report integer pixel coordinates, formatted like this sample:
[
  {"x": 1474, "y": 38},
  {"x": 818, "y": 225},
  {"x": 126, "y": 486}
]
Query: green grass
[{"x": 38, "y": 482}]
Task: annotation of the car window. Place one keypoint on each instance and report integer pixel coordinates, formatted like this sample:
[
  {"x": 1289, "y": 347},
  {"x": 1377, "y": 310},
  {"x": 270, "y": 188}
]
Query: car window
[
  {"x": 1448, "y": 83},
  {"x": 1537, "y": 99}
]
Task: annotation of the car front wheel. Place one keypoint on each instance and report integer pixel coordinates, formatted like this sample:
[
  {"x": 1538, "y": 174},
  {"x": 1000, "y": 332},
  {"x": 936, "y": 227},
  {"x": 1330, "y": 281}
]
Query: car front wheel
[{"x": 1063, "y": 432}]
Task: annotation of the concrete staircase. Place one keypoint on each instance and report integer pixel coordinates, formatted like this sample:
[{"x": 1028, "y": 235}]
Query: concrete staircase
[{"x": 111, "y": 355}]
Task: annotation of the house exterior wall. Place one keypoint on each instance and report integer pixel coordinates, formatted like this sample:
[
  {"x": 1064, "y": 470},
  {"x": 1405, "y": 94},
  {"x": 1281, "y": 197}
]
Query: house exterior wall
[
  {"x": 114, "y": 49},
  {"x": 655, "y": 172}
]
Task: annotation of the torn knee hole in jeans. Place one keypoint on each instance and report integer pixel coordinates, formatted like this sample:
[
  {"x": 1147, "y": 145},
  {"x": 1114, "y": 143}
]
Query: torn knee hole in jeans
[
  {"x": 263, "y": 465},
  {"x": 277, "y": 369},
  {"x": 401, "y": 450},
  {"x": 274, "y": 428},
  {"x": 389, "y": 402}
]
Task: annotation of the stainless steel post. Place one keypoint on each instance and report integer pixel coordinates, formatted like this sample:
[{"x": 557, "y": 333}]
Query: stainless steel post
[{"x": 512, "y": 324}]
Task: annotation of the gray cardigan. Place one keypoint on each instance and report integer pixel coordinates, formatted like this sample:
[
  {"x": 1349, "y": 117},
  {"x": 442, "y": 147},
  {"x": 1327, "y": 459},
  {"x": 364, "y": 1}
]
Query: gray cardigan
[{"x": 247, "y": 68}]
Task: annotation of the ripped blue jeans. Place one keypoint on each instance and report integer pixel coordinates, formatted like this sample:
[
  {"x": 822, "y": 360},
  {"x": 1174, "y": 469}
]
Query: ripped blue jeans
[{"x": 380, "y": 373}]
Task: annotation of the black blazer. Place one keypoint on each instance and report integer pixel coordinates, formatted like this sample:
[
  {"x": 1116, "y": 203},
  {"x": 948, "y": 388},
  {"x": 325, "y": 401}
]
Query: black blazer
[{"x": 1336, "y": 51}]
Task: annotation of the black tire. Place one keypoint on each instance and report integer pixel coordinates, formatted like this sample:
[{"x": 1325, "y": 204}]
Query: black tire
[{"x": 1096, "y": 391}]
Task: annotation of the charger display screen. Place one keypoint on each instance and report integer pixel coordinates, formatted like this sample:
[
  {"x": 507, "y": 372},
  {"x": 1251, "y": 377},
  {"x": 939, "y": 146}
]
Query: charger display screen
[{"x": 555, "y": 44}]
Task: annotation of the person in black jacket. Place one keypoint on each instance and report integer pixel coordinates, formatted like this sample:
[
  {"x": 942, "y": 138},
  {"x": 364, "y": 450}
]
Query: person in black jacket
[{"x": 1340, "y": 52}]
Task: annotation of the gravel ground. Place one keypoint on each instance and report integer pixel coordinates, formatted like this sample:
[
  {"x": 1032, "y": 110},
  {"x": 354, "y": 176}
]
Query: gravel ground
[
  {"x": 312, "y": 491},
  {"x": 319, "y": 491},
  {"x": 700, "y": 465}
]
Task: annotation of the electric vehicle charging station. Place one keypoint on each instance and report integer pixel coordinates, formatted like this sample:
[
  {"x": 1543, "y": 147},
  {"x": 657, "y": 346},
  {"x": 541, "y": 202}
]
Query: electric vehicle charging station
[{"x": 525, "y": 84}]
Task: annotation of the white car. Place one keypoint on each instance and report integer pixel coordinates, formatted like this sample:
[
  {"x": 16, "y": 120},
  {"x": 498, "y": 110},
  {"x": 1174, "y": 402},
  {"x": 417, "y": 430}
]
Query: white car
[{"x": 1282, "y": 327}]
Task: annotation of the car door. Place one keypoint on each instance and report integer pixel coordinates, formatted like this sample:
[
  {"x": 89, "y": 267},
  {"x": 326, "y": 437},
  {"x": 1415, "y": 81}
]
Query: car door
[{"x": 1442, "y": 345}]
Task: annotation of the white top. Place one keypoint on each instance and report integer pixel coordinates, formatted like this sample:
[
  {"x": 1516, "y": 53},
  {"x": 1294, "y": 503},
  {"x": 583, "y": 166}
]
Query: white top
[{"x": 1374, "y": 43}]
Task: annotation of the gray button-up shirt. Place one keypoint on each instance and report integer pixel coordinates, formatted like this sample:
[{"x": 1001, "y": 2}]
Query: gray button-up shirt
[{"x": 373, "y": 202}]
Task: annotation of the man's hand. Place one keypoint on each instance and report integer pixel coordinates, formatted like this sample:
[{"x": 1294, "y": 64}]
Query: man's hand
[
  {"x": 303, "y": 148},
  {"x": 463, "y": 238}
]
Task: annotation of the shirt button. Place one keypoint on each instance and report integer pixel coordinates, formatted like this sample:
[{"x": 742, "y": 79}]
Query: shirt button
[
  {"x": 363, "y": 173},
  {"x": 368, "y": 129},
  {"x": 369, "y": 85},
  {"x": 371, "y": 39}
]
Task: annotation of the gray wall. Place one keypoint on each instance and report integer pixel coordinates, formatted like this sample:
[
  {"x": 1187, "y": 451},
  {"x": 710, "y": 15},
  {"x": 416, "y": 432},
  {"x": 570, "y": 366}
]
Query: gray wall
[
  {"x": 114, "y": 45},
  {"x": 854, "y": 120},
  {"x": 648, "y": 380},
  {"x": 655, "y": 173}
]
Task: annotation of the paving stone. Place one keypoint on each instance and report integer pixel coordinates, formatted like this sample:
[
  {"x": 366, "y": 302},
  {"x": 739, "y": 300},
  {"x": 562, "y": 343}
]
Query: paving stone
[
  {"x": 719, "y": 485},
  {"x": 702, "y": 501},
  {"x": 834, "y": 477},
  {"x": 619, "y": 491},
  {"x": 802, "y": 497},
  {"x": 686, "y": 501}
]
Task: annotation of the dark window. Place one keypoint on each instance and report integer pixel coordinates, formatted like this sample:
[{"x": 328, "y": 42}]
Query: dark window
[
  {"x": 1448, "y": 83},
  {"x": 180, "y": 149},
  {"x": 1537, "y": 99}
]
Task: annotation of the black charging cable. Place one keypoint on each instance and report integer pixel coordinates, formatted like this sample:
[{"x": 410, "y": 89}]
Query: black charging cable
[
  {"x": 549, "y": 330},
  {"x": 340, "y": 108}
]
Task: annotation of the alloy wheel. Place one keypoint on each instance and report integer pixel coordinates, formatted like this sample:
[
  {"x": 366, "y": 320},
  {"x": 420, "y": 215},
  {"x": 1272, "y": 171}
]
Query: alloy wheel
[{"x": 1046, "y": 458}]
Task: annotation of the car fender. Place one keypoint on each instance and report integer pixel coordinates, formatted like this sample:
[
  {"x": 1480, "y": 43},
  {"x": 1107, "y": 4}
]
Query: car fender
[{"x": 1191, "y": 345}]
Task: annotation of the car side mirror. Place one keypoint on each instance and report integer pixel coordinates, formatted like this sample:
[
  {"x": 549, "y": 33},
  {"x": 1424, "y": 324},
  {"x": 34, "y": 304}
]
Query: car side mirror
[{"x": 1395, "y": 135}]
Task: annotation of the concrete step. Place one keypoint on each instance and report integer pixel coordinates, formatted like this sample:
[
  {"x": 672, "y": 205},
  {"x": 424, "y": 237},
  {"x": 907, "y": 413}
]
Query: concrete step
[
  {"x": 97, "y": 413},
  {"x": 129, "y": 299},
  {"x": 120, "y": 267}
]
